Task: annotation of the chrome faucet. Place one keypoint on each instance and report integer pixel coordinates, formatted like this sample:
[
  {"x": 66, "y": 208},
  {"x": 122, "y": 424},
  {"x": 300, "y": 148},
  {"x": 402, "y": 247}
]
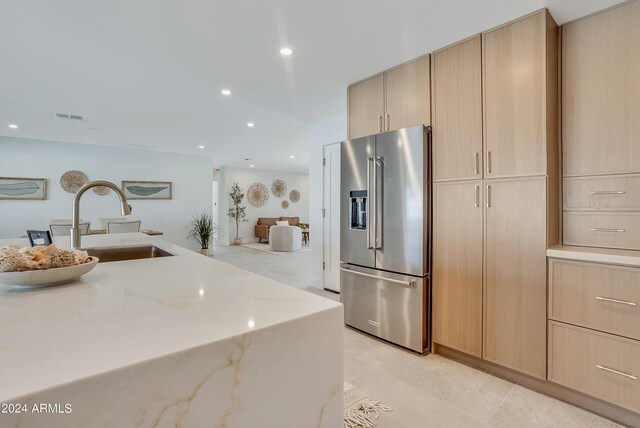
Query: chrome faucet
[{"x": 75, "y": 219}]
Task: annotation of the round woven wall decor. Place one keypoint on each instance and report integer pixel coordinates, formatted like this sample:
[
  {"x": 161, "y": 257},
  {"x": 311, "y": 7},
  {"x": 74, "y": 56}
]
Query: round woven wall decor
[
  {"x": 101, "y": 190},
  {"x": 279, "y": 188},
  {"x": 294, "y": 196},
  {"x": 285, "y": 204},
  {"x": 257, "y": 194},
  {"x": 71, "y": 181}
]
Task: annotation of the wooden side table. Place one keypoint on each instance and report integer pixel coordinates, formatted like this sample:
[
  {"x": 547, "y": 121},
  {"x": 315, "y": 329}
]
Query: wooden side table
[{"x": 305, "y": 236}]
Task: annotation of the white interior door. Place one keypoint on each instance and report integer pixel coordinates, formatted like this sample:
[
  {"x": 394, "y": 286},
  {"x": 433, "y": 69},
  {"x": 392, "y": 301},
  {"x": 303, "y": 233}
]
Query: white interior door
[{"x": 331, "y": 218}]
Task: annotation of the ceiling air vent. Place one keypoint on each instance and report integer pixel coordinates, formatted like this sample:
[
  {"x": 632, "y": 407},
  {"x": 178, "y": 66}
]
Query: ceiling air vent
[{"x": 70, "y": 117}]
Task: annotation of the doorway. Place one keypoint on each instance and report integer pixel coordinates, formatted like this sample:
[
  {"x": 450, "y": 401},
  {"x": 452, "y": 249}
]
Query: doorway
[{"x": 331, "y": 217}]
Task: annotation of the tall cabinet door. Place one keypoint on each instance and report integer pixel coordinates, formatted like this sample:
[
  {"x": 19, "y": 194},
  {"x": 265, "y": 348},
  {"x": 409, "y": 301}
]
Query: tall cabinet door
[
  {"x": 601, "y": 93},
  {"x": 514, "y": 88},
  {"x": 457, "y": 111},
  {"x": 515, "y": 274},
  {"x": 366, "y": 107},
  {"x": 457, "y": 267},
  {"x": 408, "y": 101}
]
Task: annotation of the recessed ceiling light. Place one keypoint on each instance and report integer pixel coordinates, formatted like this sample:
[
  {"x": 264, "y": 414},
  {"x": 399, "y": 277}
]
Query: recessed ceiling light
[
  {"x": 201, "y": 147},
  {"x": 292, "y": 156},
  {"x": 226, "y": 92},
  {"x": 251, "y": 166},
  {"x": 13, "y": 126},
  {"x": 286, "y": 51},
  {"x": 250, "y": 124}
]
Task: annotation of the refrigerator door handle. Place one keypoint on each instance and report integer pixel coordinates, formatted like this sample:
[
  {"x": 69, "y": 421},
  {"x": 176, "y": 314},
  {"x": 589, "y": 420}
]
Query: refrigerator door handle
[
  {"x": 369, "y": 220},
  {"x": 410, "y": 283},
  {"x": 379, "y": 189}
]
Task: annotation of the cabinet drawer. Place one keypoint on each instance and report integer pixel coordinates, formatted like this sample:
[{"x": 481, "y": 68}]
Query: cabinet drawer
[
  {"x": 602, "y": 193},
  {"x": 597, "y": 364},
  {"x": 596, "y": 296},
  {"x": 608, "y": 230}
]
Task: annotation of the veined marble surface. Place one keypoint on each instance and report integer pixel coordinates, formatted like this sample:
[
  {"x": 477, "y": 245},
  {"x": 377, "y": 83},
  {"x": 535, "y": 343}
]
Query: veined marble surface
[{"x": 174, "y": 341}]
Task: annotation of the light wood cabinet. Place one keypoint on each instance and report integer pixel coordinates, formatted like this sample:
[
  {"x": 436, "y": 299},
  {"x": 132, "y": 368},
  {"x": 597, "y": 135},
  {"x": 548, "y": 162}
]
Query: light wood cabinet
[
  {"x": 598, "y": 364},
  {"x": 609, "y": 192},
  {"x": 457, "y": 111},
  {"x": 520, "y": 97},
  {"x": 601, "y": 229},
  {"x": 392, "y": 100},
  {"x": 366, "y": 107},
  {"x": 601, "y": 92},
  {"x": 457, "y": 267},
  {"x": 515, "y": 291},
  {"x": 408, "y": 101},
  {"x": 597, "y": 296}
]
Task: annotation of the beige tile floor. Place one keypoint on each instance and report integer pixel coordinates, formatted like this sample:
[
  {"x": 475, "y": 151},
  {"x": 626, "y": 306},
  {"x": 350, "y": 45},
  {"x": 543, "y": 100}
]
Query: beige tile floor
[{"x": 424, "y": 391}]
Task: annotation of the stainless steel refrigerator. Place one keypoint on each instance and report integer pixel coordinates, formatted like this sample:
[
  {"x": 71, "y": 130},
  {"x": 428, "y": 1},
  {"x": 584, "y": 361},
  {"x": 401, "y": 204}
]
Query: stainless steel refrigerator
[{"x": 385, "y": 235}]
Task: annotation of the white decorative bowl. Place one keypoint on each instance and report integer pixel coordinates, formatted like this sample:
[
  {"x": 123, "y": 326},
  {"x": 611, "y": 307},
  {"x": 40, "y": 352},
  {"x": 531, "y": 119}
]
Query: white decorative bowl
[{"x": 47, "y": 277}]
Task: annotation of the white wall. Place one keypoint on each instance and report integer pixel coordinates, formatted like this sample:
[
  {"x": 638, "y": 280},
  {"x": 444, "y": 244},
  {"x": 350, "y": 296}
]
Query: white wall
[
  {"x": 247, "y": 176},
  {"x": 191, "y": 177},
  {"x": 321, "y": 133}
]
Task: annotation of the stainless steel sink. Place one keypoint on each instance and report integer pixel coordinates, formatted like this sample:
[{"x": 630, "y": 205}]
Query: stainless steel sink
[{"x": 116, "y": 254}]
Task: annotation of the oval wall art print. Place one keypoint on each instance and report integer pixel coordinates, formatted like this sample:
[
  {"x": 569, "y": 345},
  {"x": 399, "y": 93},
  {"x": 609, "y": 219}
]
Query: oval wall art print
[
  {"x": 147, "y": 189},
  {"x": 23, "y": 188}
]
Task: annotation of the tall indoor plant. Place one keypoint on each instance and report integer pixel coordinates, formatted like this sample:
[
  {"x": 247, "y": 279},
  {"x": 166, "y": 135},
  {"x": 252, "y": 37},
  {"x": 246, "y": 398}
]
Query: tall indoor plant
[
  {"x": 203, "y": 230},
  {"x": 237, "y": 212}
]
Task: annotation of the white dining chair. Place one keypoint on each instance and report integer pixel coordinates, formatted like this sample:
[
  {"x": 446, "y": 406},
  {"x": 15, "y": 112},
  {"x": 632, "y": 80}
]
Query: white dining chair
[
  {"x": 62, "y": 229},
  {"x": 123, "y": 226},
  {"x": 105, "y": 220}
]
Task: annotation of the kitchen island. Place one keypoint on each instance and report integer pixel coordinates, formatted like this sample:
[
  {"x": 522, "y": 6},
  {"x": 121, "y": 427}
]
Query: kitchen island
[{"x": 173, "y": 341}]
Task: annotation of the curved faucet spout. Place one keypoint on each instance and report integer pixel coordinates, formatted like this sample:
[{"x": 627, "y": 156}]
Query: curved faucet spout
[{"x": 125, "y": 208}]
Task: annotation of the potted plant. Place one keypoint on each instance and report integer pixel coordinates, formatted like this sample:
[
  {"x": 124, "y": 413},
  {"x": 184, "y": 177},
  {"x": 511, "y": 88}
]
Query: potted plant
[
  {"x": 237, "y": 212},
  {"x": 203, "y": 230}
]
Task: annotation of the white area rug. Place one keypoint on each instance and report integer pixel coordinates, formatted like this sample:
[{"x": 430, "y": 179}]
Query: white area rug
[
  {"x": 265, "y": 247},
  {"x": 359, "y": 410}
]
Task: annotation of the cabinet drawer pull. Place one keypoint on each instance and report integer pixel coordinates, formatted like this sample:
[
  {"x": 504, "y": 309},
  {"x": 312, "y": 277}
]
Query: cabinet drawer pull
[
  {"x": 388, "y": 121},
  {"x": 379, "y": 123},
  {"x": 477, "y": 168},
  {"x": 489, "y": 162},
  {"x": 608, "y": 192},
  {"x": 623, "y": 302},
  {"x": 607, "y": 369},
  {"x": 601, "y": 229}
]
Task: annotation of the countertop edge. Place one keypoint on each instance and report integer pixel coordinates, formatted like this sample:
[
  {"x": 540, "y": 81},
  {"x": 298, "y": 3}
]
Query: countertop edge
[{"x": 610, "y": 256}]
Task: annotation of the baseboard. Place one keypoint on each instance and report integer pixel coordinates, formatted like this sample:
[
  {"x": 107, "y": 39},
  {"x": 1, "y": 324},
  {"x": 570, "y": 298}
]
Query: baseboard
[
  {"x": 314, "y": 281},
  {"x": 575, "y": 398}
]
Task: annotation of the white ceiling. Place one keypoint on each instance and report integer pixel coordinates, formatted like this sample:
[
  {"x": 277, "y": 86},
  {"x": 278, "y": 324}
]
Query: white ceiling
[{"x": 149, "y": 72}]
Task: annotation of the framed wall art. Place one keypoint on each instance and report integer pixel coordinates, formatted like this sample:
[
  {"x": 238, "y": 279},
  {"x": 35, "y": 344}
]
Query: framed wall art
[
  {"x": 23, "y": 188},
  {"x": 147, "y": 189}
]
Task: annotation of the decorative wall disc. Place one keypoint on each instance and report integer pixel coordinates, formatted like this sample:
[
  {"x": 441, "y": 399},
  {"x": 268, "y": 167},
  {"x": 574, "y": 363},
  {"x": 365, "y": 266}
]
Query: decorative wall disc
[
  {"x": 285, "y": 204},
  {"x": 279, "y": 188},
  {"x": 101, "y": 190},
  {"x": 294, "y": 196},
  {"x": 257, "y": 194},
  {"x": 71, "y": 181}
]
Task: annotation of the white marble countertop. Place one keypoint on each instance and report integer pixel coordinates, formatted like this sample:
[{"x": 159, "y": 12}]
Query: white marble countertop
[
  {"x": 596, "y": 255},
  {"x": 124, "y": 313}
]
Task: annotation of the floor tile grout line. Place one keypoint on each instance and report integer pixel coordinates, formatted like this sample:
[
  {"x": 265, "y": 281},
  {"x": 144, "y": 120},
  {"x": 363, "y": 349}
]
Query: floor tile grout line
[{"x": 504, "y": 400}]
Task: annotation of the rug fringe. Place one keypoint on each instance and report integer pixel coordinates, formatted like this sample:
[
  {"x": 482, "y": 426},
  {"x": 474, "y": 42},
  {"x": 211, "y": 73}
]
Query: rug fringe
[{"x": 364, "y": 414}]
